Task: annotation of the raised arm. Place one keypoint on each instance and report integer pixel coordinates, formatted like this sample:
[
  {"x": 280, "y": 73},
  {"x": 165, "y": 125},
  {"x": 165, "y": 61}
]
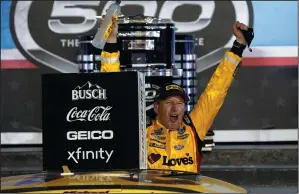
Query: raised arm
[
  {"x": 110, "y": 58},
  {"x": 110, "y": 54},
  {"x": 211, "y": 100}
]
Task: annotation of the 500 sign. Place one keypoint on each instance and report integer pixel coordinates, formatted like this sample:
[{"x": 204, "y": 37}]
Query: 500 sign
[
  {"x": 46, "y": 32},
  {"x": 62, "y": 9}
]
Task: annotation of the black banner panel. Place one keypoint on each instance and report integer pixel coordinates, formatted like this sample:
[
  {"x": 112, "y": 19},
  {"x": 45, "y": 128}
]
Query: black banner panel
[{"x": 93, "y": 121}]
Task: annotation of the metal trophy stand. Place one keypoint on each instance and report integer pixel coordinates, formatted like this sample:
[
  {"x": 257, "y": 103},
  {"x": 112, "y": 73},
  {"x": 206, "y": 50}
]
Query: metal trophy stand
[{"x": 150, "y": 45}]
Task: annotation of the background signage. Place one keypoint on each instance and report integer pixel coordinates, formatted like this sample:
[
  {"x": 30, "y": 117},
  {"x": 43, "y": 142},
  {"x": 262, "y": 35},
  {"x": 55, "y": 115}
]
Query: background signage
[
  {"x": 93, "y": 120},
  {"x": 40, "y": 37}
]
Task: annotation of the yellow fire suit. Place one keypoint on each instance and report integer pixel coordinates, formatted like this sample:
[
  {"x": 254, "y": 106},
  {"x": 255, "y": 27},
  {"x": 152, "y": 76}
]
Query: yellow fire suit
[{"x": 179, "y": 150}]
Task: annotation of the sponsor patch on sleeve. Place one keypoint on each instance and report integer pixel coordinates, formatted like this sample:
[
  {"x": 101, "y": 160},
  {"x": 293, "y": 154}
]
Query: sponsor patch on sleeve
[
  {"x": 155, "y": 140},
  {"x": 157, "y": 145},
  {"x": 184, "y": 136},
  {"x": 158, "y": 137},
  {"x": 158, "y": 131},
  {"x": 179, "y": 147}
]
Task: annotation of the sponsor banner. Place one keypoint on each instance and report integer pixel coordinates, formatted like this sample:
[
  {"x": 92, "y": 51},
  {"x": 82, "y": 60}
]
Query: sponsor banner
[
  {"x": 58, "y": 20},
  {"x": 41, "y": 37},
  {"x": 91, "y": 121},
  {"x": 221, "y": 136}
]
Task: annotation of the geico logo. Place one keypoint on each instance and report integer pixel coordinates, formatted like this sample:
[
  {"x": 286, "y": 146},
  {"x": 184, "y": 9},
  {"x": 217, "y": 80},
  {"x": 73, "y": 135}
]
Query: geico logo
[
  {"x": 98, "y": 94},
  {"x": 89, "y": 135},
  {"x": 177, "y": 161}
]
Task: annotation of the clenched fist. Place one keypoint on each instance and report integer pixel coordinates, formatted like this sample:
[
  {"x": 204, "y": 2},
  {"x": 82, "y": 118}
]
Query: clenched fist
[{"x": 238, "y": 34}]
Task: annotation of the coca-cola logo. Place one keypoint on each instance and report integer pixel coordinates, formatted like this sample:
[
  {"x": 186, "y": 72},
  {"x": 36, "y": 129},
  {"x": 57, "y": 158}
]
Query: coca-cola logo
[{"x": 98, "y": 113}]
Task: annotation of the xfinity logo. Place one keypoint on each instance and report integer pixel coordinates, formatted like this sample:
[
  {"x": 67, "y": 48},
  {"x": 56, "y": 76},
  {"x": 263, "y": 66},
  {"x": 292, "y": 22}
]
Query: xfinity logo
[
  {"x": 80, "y": 154},
  {"x": 89, "y": 135},
  {"x": 89, "y": 91},
  {"x": 33, "y": 22}
]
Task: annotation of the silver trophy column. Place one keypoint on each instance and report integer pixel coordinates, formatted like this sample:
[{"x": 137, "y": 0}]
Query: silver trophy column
[
  {"x": 185, "y": 58},
  {"x": 88, "y": 57},
  {"x": 148, "y": 45}
]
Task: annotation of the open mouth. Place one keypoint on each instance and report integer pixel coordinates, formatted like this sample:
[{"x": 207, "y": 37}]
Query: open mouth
[{"x": 174, "y": 117}]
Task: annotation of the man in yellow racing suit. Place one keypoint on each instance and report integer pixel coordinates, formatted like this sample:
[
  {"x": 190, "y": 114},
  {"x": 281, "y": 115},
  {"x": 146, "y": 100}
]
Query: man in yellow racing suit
[{"x": 174, "y": 138}]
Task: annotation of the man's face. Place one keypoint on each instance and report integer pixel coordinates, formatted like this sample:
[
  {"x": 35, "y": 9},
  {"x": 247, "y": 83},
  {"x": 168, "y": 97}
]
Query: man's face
[{"x": 170, "y": 111}]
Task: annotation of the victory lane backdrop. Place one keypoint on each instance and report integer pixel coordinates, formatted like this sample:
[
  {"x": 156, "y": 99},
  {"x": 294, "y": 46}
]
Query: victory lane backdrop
[{"x": 119, "y": 152}]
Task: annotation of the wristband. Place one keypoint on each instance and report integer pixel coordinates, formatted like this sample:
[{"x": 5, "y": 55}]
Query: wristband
[
  {"x": 111, "y": 47},
  {"x": 238, "y": 48},
  {"x": 239, "y": 45}
]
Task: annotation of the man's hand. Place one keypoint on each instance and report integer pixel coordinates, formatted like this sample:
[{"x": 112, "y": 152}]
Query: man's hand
[
  {"x": 113, "y": 36},
  {"x": 238, "y": 34}
]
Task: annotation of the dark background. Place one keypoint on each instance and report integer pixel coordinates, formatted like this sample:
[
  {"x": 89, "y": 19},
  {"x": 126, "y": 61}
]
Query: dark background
[
  {"x": 124, "y": 120},
  {"x": 260, "y": 97}
]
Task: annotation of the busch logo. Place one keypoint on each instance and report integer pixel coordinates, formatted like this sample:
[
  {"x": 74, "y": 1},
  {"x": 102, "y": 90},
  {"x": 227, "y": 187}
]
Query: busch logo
[
  {"x": 89, "y": 91},
  {"x": 177, "y": 161},
  {"x": 98, "y": 113},
  {"x": 46, "y": 32}
]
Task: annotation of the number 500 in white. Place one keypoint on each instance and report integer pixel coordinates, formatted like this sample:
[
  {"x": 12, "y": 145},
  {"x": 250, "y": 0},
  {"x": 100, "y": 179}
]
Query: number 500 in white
[{"x": 72, "y": 9}]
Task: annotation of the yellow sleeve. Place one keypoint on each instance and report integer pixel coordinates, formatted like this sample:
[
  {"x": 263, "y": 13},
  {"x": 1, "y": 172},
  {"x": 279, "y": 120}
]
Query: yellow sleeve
[
  {"x": 110, "y": 61},
  {"x": 211, "y": 100}
]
